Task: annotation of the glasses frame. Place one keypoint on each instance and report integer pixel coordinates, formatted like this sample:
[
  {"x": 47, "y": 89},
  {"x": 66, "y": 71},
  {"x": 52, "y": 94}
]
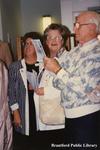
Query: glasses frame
[
  {"x": 78, "y": 25},
  {"x": 57, "y": 38}
]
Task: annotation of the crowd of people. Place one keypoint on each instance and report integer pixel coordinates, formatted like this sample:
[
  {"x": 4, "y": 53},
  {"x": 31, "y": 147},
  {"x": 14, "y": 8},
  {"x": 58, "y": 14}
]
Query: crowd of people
[{"x": 53, "y": 103}]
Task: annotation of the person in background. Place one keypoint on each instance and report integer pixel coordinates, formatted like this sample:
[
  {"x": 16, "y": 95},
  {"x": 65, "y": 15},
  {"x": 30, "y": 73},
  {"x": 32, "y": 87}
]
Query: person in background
[
  {"x": 78, "y": 78},
  {"x": 55, "y": 37},
  {"x": 21, "y": 95},
  {"x": 5, "y": 53},
  {"x": 5, "y": 120}
]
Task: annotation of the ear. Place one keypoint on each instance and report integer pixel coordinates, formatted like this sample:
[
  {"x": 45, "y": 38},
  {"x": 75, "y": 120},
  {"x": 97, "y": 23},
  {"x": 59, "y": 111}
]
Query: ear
[
  {"x": 93, "y": 27},
  {"x": 92, "y": 30}
]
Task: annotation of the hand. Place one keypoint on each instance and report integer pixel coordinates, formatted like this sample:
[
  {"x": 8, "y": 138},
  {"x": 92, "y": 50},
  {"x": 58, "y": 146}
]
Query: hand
[
  {"x": 17, "y": 118},
  {"x": 51, "y": 64},
  {"x": 39, "y": 91},
  {"x": 30, "y": 87}
]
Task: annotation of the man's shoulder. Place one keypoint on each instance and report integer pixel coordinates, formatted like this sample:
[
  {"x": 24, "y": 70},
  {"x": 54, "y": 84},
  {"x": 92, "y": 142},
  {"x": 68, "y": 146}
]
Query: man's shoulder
[{"x": 98, "y": 45}]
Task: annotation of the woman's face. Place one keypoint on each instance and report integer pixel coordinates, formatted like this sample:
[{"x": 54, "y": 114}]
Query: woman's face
[
  {"x": 29, "y": 49},
  {"x": 54, "y": 41}
]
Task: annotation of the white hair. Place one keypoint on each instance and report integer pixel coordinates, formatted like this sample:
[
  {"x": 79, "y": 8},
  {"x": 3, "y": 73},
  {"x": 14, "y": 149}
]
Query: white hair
[{"x": 96, "y": 20}]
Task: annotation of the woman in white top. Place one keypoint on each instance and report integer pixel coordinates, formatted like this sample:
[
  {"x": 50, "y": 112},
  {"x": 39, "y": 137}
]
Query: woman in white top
[{"x": 55, "y": 37}]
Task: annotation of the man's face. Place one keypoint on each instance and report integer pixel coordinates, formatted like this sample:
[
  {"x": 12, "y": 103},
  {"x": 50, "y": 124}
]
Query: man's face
[{"x": 84, "y": 30}]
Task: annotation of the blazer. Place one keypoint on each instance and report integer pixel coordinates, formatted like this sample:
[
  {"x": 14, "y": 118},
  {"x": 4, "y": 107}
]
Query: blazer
[{"x": 18, "y": 93}]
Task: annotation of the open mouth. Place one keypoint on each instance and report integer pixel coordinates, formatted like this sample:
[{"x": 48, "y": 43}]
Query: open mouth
[{"x": 53, "y": 44}]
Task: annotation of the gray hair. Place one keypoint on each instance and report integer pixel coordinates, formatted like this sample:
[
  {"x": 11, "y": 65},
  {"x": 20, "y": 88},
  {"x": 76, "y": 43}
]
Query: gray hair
[{"x": 96, "y": 20}]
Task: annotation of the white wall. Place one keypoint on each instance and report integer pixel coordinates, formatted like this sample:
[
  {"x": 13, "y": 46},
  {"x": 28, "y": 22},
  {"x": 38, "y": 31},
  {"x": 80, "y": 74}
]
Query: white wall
[{"x": 69, "y": 8}]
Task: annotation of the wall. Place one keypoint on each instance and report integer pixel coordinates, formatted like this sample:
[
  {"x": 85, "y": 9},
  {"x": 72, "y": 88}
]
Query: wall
[
  {"x": 21, "y": 16},
  {"x": 33, "y": 10},
  {"x": 70, "y": 8},
  {"x": 10, "y": 19}
]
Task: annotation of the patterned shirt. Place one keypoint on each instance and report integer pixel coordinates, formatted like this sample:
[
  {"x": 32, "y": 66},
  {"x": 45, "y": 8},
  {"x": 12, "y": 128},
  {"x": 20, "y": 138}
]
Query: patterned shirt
[{"x": 79, "y": 79}]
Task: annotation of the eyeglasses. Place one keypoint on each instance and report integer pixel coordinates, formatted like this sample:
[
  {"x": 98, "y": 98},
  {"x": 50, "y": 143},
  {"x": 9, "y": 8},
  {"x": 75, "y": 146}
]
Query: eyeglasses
[
  {"x": 78, "y": 25},
  {"x": 27, "y": 44},
  {"x": 51, "y": 38}
]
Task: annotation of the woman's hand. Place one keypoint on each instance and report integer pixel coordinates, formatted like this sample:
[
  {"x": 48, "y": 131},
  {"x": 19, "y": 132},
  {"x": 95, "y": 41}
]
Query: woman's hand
[
  {"x": 17, "y": 118},
  {"x": 30, "y": 87},
  {"x": 39, "y": 91}
]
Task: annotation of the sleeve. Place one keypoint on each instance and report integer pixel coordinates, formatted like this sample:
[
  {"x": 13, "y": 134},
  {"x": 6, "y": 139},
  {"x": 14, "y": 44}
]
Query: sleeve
[
  {"x": 61, "y": 79},
  {"x": 91, "y": 77},
  {"x": 8, "y": 56},
  {"x": 12, "y": 87}
]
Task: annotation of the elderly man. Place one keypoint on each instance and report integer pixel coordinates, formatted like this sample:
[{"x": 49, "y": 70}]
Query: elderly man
[
  {"x": 5, "y": 122},
  {"x": 78, "y": 78}
]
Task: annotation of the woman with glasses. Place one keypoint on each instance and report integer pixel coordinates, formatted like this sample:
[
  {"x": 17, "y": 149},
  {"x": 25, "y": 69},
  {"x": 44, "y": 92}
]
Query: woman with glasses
[
  {"x": 21, "y": 94},
  {"x": 55, "y": 37}
]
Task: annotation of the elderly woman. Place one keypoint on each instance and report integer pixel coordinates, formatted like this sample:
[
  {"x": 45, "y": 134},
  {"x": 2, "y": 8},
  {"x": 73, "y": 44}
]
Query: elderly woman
[
  {"x": 5, "y": 122},
  {"x": 21, "y": 94},
  {"x": 55, "y": 37}
]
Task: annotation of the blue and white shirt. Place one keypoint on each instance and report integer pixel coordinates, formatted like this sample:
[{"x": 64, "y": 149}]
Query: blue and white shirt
[{"x": 79, "y": 79}]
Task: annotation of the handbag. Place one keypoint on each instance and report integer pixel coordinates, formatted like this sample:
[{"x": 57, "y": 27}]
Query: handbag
[{"x": 51, "y": 112}]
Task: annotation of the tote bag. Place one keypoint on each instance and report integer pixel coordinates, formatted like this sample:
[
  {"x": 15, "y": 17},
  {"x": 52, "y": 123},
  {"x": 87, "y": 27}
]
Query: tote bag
[{"x": 51, "y": 112}]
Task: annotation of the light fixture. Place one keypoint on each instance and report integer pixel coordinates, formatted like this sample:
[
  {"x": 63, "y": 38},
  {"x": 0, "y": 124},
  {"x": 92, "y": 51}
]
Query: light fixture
[{"x": 46, "y": 21}]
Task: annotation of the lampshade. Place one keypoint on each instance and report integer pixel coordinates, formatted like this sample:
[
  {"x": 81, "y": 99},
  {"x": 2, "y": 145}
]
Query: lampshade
[{"x": 46, "y": 21}]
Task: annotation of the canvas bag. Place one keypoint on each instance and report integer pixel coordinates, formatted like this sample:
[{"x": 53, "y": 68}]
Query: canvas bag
[{"x": 51, "y": 112}]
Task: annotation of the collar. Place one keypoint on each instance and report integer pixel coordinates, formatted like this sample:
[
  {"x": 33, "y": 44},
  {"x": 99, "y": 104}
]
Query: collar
[
  {"x": 89, "y": 42},
  {"x": 59, "y": 53}
]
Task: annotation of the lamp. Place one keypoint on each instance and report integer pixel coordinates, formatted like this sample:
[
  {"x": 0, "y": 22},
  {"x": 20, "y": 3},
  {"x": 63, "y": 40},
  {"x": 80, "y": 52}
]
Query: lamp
[{"x": 46, "y": 21}]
